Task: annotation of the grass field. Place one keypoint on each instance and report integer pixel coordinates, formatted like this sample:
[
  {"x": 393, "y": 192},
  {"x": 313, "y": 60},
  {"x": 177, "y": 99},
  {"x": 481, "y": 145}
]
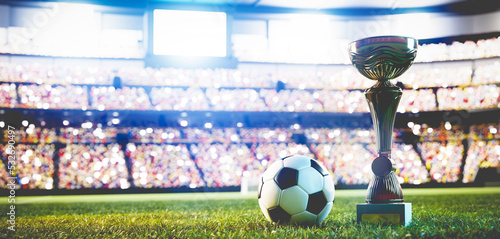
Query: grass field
[{"x": 437, "y": 213}]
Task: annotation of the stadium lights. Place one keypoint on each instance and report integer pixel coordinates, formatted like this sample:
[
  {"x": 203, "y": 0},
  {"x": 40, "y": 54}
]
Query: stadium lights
[
  {"x": 282, "y": 137},
  {"x": 30, "y": 129},
  {"x": 73, "y": 23},
  {"x": 131, "y": 147},
  {"x": 410, "y": 124},
  {"x": 189, "y": 33},
  {"x": 234, "y": 137},
  {"x": 48, "y": 186},
  {"x": 447, "y": 125},
  {"x": 2, "y": 124},
  {"x": 183, "y": 123},
  {"x": 413, "y": 24},
  {"x": 417, "y": 127},
  {"x": 87, "y": 125},
  {"x": 124, "y": 183}
]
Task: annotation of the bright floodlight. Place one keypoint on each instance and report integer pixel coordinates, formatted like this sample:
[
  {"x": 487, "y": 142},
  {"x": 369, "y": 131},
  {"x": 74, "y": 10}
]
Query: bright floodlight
[{"x": 189, "y": 33}]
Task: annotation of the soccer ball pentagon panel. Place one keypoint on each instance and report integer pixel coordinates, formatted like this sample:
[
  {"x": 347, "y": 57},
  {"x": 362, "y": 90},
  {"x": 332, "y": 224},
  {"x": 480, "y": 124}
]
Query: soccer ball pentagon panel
[{"x": 296, "y": 189}]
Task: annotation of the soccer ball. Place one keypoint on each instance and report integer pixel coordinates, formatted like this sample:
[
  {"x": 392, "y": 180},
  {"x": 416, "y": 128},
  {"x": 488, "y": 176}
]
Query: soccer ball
[{"x": 296, "y": 189}]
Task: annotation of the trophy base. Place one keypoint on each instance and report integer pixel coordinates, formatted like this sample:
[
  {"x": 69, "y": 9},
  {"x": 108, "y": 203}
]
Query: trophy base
[{"x": 388, "y": 213}]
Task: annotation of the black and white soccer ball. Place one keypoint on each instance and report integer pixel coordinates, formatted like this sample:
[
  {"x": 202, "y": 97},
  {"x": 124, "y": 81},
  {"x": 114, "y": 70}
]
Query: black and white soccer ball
[{"x": 296, "y": 189}]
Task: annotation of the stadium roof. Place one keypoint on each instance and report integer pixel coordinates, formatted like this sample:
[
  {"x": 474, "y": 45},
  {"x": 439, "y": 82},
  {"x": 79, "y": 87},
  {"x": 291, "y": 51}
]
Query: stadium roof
[{"x": 341, "y": 7}]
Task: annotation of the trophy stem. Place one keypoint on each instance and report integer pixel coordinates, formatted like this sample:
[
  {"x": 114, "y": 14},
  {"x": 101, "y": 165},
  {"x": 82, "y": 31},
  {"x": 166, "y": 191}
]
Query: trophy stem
[{"x": 383, "y": 99}]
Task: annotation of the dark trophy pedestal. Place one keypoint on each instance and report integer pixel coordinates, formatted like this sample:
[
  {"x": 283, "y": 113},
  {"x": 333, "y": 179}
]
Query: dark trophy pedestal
[{"x": 382, "y": 59}]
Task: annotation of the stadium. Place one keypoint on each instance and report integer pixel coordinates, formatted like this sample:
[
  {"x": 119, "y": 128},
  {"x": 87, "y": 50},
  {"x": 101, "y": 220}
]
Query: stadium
[{"x": 158, "y": 118}]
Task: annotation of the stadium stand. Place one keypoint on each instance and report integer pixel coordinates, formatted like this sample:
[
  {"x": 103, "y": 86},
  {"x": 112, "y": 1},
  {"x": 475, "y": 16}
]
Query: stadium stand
[{"x": 216, "y": 156}]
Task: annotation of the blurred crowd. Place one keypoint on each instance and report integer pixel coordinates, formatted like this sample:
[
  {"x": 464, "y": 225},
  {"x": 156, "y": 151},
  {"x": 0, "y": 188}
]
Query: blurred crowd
[
  {"x": 483, "y": 48},
  {"x": 8, "y": 96},
  {"x": 223, "y": 164},
  {"x": 153, "y": 135},
  {"x": 92, "y": 166},
  {"x": 235, "y": 100},
  {"x": 126, "y": 98},
  {"x": 163, "y": 166},
  {"x": 333, "y": 54},
  {"x": 179, "y": 80},
  {"x": 340, "y": 135},
  {"x": 290, "y": 100},
  {"x": 484, "y": 150},
  {"x": 481, "y": 154},
  {"x": 445, "y": 132},
  {"x": 487, "y": 74},
  {"x": 48, "y": 97},
  {"x": 4, "y": 175},
  {"x": 55, "y": 74},
  {"x": 250, "y": 100},
  {"x": 167, "y": 98},
  {"x": 34, "y": 166},
  {"x": 445, "y": 76},
  {"x": 480, "y": 97},
  {"x": 218, "y": 157},
  {"x": 443, "y": 160},
  {"x": 265, "y": 135},
  {"x": 409, "y": 166},
  {"x": 485, "y": 131},
  {"x": 417, "y": 100},
  {"x": 320, "y": 89},
  {"x": 32, "y": 134},
  {"x": 70, "y": 135},
  {"x": 351, "y": 162}
]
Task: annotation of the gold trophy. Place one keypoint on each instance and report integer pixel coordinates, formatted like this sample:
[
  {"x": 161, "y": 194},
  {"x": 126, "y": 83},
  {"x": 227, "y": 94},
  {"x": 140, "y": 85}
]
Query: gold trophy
[{"x": 383, "y": 58}]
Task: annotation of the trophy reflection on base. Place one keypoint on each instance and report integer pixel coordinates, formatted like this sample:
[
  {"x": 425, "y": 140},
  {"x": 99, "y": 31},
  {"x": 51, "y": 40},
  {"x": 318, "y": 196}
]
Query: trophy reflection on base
[{"x": 382, "y": 59}]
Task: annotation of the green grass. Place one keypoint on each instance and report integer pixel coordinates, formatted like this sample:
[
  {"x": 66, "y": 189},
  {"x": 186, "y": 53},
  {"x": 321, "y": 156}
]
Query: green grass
[{"x": 437, "y": 213}]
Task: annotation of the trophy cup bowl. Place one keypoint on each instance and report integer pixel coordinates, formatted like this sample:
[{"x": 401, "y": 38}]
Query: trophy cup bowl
[{"x": 382, "y": 59}]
